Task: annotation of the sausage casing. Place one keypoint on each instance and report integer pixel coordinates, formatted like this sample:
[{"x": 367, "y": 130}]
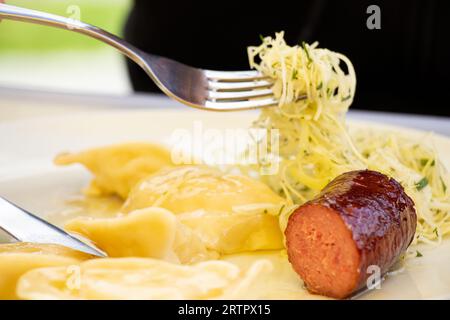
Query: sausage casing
[{"x": 360, "y": 219}]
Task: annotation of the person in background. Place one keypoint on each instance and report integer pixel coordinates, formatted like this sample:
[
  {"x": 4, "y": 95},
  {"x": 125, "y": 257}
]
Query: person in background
[{"x": 401, "y": 67}]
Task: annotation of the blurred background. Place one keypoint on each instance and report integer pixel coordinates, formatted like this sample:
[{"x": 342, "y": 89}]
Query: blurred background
[
  {"x": 49, "y": 59},
  {"x": 401, "y": 67}
]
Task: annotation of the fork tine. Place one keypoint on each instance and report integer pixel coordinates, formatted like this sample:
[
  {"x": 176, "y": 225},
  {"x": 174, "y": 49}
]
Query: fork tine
[
  {"x": 234, "y": 76},
  {"x": 240, "y": 105},
  {"x": 239, "y": 95},
  {"x": 238, "y": 86}
]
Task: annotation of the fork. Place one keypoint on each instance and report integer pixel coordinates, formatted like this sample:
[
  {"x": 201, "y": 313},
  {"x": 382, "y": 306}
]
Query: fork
[{"x": 198, "y": 88}]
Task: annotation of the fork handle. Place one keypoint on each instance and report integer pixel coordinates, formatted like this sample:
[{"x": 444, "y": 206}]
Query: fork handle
[{"x": 52, "y": 20}]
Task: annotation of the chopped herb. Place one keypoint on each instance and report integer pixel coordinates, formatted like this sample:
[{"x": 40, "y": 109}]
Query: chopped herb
[
  {"x": 281, "y": 209},
  {"x": 436, "y": 232},
  {"x": 307, "y": 52},
  {"x": 424, "y": 161},
  {"x": 261, "y": 37},
  {"x": 319, "y": 86},
  {"x": 265, "y": 211},
  {"x": 418, "y": 254},
  {"x": 444, "y": 186},
  {"x": 294, "y": 74},
  {"x": 346, "y": 98},
  {"x": 422, "y": 184}
]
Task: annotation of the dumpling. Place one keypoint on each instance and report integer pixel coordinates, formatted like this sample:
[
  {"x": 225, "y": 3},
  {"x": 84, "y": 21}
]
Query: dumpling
[
  {"x": 18, "y": 258},
  {"x": 189, "y": 188},
  {"x": 229, "y": 213},
  {"x": 118, "y": 168},
  {"x": 148, "y": 232},
  {"x": 139, "y": 278}
]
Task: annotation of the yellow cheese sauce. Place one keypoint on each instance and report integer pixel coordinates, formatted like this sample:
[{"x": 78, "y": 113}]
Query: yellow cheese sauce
[{"x": 170, "y": 232}]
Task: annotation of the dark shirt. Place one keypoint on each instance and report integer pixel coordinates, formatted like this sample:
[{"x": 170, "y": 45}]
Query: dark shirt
[{"x": 403, "y": 67}]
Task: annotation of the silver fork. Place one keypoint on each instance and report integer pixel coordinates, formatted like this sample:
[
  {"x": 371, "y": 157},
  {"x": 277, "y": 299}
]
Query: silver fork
[{"x": 198, "y": 88}]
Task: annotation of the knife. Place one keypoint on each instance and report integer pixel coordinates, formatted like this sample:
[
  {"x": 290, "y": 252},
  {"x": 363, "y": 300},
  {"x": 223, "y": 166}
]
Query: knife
[{"x": 26, "y": 227}]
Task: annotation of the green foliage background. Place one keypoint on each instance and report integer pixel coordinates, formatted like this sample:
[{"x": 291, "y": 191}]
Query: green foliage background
[{"x": 25, "y": 37}]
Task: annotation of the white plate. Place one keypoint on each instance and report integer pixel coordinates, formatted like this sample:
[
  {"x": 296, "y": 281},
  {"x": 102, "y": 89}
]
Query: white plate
[{"x": 27, "y": 176}]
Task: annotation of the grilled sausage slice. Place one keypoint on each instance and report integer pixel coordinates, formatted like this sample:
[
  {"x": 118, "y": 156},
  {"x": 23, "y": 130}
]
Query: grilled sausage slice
[{"x": 361, "y": 218}]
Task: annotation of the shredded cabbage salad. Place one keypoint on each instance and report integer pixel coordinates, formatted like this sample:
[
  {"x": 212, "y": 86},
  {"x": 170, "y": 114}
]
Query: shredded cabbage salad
[{"x": 315, "y": 88}]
